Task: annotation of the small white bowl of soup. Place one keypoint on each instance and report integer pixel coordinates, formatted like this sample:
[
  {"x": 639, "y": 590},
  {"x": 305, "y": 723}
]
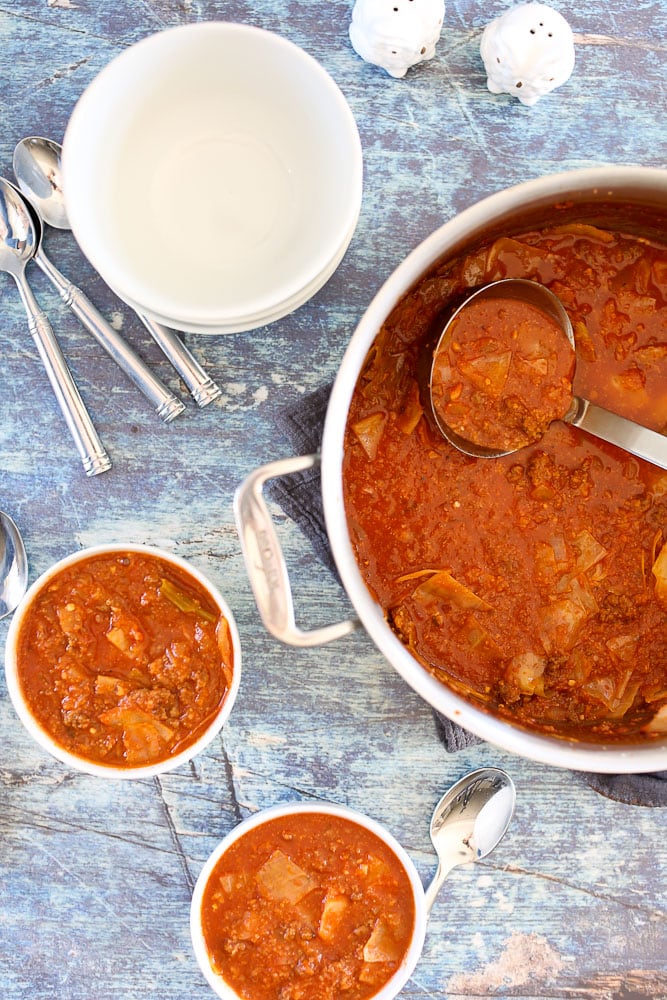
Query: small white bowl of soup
[
  {"x": 308, "y": 900},
  {"x": 123, "y": 661}
]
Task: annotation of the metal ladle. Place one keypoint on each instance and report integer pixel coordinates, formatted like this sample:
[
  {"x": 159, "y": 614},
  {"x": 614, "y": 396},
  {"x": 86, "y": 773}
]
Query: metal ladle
[
  {"x": 469, "y": 821},
  {"x": 34, "y": 176},
  {"x": 13, "y": 566},
  {"x": 18, "y": 242},
  {"x": 601, "y": 423},
  {"x": 38, "y": 171}
]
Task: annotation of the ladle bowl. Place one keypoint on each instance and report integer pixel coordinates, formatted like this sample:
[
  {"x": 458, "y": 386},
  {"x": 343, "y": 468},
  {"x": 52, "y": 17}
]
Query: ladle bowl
[{"x": 610, "y": 427}]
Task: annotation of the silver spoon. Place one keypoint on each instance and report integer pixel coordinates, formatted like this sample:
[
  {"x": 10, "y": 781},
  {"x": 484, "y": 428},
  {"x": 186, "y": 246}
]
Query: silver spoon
[
  {"x": 18, "y": 243},
  {"x": 601, "y": 423},
  {"x": 38, "y": 170},
  {"x": 36, "y": 178},
  {"x": 469, "y": 821},
  {"x": 13, "y": 566}
]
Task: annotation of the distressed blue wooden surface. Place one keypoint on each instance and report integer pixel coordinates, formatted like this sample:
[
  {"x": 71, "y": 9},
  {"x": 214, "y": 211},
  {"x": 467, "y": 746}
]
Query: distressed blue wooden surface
[{"x": 95, "y": 878}]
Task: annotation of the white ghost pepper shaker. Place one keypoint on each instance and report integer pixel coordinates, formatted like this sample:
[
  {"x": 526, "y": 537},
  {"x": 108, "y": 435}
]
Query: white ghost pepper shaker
[
  {"x": 396, "y": 34},
  {"x": 527, "y": 52}
]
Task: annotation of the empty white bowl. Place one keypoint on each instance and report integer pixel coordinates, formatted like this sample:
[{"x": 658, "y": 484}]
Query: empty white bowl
[
  {"x": 213, "y": 175},
  {"x": 251, "y": 322}
]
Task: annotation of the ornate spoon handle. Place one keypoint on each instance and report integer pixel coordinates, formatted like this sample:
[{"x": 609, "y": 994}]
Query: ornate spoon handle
[
  {"x": 166, "y": 404},
  {"x": 201, "y": 386},
  {"x": 82, "y": 429}
]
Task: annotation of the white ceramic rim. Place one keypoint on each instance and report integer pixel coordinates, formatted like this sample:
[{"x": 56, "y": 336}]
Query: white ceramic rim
[
  {"x": 328, "y": 249},
  {"x": 601, "y": 758},
  {"x": 407, "y": 967},
  {"x": 247, "y": 323},
  {"x": 42, "y": 737}
]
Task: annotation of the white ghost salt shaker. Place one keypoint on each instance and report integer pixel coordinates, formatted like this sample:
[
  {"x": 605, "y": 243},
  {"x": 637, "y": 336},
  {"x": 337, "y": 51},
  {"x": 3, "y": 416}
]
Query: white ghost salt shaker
[
  {"x": 527, "y": 52},
  {"x": 396, "y": 34}
]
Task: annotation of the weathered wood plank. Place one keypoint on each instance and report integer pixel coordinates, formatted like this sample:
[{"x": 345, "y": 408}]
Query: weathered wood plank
[{"x": 96, "y": 877}]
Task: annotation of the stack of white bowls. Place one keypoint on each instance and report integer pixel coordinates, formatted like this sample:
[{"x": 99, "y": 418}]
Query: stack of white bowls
[{"x": 213, "y": 176}]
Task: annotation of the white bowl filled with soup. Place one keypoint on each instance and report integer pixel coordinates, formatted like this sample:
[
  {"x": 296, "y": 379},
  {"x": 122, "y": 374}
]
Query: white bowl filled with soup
[
  {"x": 123, "y": 661},
  {"x": 308, "y": 901}
]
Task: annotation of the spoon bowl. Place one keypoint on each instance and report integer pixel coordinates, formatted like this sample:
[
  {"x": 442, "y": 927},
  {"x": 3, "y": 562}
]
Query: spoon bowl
[
  {"x": 632, "y": 437},
  {"x": 13, "y": 566},
  {"x": 37, "y": 169},
  {"x": 469, "y": 821}
]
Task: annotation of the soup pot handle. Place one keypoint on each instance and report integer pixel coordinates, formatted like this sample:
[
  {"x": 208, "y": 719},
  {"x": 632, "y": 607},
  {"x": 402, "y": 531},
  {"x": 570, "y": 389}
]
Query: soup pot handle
[{"x": 264, "y": 559}]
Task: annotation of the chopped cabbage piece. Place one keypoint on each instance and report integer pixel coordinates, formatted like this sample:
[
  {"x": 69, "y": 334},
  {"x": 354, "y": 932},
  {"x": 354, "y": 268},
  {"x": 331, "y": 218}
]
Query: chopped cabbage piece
[
  {"x": 623, "y": 647},
  {"x": 373, "y": 868},
  {"x": 381, "y": 946},
  {"x": 144, "y": 737},
  {"x": 125, "y": 634},
  {"x": 118, "y": 638},
  {"x": 658, "y": 723},
  {"x": 659, "y": 570},
  {"x": 617, "y": 696},
  {"x": 70, "y": 618},
  {"x": 505, "y": 248},
  {"x": 443, "y": 587},
  {"x": 584, "y": 341},
  {"x": 585, "y": 230},
  {"x": 480, "y": 639},
  {"x": 488, "y": 371},
  {"x": 526, "y": 670},
  {"x": 105, "y": 684},
  {"x": 369, "y": 432},
  {"x": 335, "y": 907},
  {"x": 280, "y": 878},
  {"x": 223, "y": 637},
  {"x": 559, "y": 624},
  {"x": 409, "y": 415},
  {"x": 590, "y": 551}
]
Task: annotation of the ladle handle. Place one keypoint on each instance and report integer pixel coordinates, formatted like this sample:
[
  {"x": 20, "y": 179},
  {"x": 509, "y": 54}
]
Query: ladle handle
[
  {"x": 166, "y": 404},
  {"x": 264, "y": 559},
  {"x": 93, "y": 454},
  {"x": 200, "y": 385},
  {"x": 632, "y": 437}
]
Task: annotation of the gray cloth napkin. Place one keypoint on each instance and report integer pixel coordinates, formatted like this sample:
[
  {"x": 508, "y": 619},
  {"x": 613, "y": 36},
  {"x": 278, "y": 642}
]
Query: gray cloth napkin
[{"x": 300, "y": 497}]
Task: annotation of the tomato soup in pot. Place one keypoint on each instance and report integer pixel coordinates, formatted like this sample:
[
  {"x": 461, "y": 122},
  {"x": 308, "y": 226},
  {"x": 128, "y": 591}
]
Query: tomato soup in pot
[{"x": 534, "y": 585}]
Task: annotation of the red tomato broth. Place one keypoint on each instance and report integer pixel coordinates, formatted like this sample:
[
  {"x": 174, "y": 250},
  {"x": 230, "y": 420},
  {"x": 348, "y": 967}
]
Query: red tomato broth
[
  {"x": 124, "y": 659},
  {"x": 502, "y": 373},
  {"x": 308, "y": 906},
  {"x": 525, "y": 582}
]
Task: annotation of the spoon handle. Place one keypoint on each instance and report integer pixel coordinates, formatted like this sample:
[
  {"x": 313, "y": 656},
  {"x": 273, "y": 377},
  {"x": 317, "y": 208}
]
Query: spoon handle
[
  {"x": 434, "y": 886},
  {"x": 93, "y": 455},
  {"x": 201, "y": 386},
  {"x": 638, "y": 440},
  {"x": 166, "y": 404}
]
